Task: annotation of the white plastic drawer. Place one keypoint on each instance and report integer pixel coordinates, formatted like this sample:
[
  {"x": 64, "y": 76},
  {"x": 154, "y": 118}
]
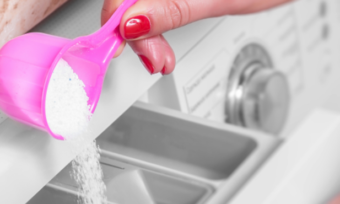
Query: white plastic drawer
[{"x": 178, "y": 158}]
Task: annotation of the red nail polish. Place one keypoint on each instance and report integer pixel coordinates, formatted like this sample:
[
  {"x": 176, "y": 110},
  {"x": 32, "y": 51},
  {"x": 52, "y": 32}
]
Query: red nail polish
[
  {"x": 147, "y": 64},
  {"x": 136, "y": 27},
  {"x": 163, "y": 71}
]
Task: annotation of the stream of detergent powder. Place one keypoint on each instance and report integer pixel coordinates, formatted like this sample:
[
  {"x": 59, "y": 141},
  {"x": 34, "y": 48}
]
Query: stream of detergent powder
[{"x": 68, "y": 114}]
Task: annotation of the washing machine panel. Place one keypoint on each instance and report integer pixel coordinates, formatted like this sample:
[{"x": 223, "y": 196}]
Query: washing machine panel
[{"x": 264, "y": 71}]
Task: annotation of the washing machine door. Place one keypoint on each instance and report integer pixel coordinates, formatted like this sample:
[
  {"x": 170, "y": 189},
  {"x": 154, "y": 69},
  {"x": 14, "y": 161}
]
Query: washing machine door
[{"x": 304, "y": 170}]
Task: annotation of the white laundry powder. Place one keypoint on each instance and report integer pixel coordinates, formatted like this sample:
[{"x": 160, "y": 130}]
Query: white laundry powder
[
  {"x": 68, "y": 115},
  {"x": 87, "y": 172}
]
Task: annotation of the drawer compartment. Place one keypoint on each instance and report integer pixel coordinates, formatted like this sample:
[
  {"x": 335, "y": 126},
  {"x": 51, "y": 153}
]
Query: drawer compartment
[
  {"x": 178, "y": 142},
  {"x": 126, "y": 184},
  {"x": 160, "y": 156}
]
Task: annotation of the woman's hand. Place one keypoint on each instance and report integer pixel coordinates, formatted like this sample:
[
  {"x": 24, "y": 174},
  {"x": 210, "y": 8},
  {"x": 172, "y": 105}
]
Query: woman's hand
[{"x": 143, "y": 24}]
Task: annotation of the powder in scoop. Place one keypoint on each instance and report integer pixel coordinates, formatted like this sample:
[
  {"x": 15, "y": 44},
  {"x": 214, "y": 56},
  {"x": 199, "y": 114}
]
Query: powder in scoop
[{"x": 68, "y": 115}]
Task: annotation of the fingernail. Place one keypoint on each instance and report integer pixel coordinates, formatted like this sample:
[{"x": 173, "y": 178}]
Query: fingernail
[
  {"x": 147, "y": 64},
  {"x": 136, "y": 27},
  {"x": 163, "y": 71}
]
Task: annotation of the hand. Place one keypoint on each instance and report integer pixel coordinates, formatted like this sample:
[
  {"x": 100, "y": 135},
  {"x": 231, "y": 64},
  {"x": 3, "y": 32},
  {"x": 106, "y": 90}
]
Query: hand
[{"x": 143, "y": 24}]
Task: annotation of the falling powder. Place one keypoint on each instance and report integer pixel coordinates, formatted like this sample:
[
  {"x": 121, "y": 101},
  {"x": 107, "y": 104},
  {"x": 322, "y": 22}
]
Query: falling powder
[{"x": 68, "y": 115}]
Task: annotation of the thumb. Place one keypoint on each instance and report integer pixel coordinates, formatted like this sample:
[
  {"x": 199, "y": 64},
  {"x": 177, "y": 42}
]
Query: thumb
[
  {"x": 153, "y": 17},
  {"x": 147, "y": 18}
]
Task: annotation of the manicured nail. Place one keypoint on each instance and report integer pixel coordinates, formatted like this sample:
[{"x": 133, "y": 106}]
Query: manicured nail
[
  {"x": 136, "y": 27},
  {"x": 163, "y": 71},
  {"x": 147, "y": 64}
]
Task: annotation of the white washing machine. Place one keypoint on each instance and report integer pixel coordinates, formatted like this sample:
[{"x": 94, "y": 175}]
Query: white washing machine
[
  {"x": 250, "y": 115},
  {"x": 263, "y": 71}
]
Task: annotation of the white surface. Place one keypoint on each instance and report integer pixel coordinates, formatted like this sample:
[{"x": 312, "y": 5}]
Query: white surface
[
  {"x": 304, "y": 170},
  {"x": 204, "y": 84}
]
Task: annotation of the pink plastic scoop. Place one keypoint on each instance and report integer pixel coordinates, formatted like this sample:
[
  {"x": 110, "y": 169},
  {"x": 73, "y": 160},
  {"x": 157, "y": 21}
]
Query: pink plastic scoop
[{"x": 27, "y": 63}]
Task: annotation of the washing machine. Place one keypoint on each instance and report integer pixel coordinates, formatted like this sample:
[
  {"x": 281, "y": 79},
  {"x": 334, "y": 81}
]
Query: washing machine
[{"x": 250, "y": 115}]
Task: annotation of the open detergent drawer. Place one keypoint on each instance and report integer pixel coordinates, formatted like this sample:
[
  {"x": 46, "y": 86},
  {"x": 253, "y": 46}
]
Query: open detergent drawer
[{"x": 160, "y": 156}]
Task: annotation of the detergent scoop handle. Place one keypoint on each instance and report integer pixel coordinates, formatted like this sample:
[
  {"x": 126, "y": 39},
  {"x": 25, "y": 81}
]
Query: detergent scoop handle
[{"x": 110, "y": 26}]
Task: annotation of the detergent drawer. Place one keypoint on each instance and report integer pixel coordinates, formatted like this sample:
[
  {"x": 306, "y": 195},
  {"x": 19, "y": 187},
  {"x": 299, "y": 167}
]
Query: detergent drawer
[{"x": 163, "y": 156}]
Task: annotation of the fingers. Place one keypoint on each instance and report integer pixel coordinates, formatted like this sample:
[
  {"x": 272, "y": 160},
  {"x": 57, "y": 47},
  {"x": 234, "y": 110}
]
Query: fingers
[
  {"x": 148, "y": 18},
  {"x": 108, "y": 9},
  {"x": 155, "y": 54},
  {"x": 145, "y": 21},
  {"x": 120, "y": 49},
  {"x": 169, "y": 58},
  {"x": 151, "y": 53}
]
